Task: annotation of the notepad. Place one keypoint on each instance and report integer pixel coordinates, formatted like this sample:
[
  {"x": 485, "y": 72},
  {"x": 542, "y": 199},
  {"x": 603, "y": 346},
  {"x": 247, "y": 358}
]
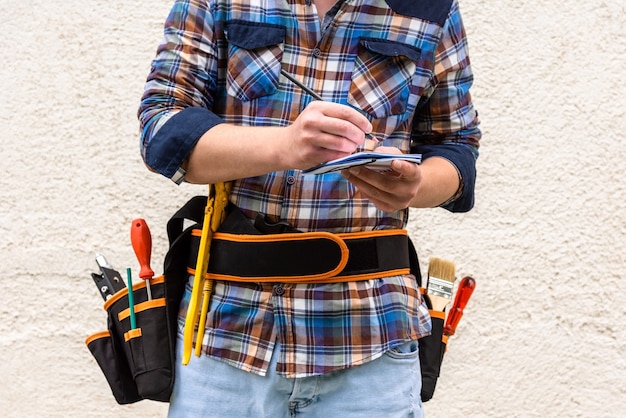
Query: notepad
[{"x": 372, "y": 160}]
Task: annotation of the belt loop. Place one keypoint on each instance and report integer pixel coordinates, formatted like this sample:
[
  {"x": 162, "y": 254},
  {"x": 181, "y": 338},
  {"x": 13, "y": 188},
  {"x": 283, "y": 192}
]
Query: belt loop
[{"x": 265, "y": 227}]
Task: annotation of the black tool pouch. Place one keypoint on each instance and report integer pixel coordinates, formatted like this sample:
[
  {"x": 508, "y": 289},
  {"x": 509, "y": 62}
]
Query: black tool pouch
[
  {"x": 433, "y": 346},
  {"x": 136, "y": 362},
  {"x": 139, "y": 363},
  {"x": 432, "y": 349}
]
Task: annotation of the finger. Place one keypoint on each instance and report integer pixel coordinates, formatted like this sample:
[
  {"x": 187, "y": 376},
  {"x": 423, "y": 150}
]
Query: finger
[
  {"x": 379, "y": 198},
  {"x": 351, "y": 115},
  {"x": 335, "y": 144},
  {"x": 388, "y": 150},
  {"x": 347, "y": 122},
  {"x": 405, "y": 170},
  {"x": 367, "y": 181},
  {"x": 389, "y": 191}
]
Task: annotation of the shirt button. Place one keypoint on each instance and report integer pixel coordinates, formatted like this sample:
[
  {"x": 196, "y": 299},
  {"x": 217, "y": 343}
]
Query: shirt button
[
  {"x": 279, "y": 290},
  {"x": 291, "y": 180},
  {"x": 316, "y": 52}
]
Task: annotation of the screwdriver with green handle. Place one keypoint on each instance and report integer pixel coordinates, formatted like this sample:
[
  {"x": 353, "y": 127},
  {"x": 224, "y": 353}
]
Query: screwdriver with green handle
[
  {"x": 131, "y": 299},
  {"x": 141, "y": 239}
]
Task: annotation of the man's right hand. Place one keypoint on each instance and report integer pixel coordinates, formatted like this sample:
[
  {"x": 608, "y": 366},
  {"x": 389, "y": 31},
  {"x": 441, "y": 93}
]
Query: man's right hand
[{"x": 324, "y": 131}]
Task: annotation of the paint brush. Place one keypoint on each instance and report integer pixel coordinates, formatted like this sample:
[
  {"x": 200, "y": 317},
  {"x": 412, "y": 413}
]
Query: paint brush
[
  {"x": 440, "y": 282},
  {"x": 370, "y": 140}
]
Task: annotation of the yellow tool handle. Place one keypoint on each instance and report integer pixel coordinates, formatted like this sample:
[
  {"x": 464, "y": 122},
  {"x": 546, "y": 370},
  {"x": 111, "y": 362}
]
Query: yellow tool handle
[
  {"x": 198, "y": 282},
  {"x": 206, "y": 298},
  {"x": 214, "y": 215}
]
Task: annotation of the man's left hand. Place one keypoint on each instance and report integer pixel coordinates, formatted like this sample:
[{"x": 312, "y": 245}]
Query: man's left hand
[{"x": 391, "y": 190}]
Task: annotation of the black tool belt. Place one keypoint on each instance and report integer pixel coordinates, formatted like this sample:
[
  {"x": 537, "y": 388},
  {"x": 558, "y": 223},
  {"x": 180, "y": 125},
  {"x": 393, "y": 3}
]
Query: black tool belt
[{"x": 302, "y": 257}]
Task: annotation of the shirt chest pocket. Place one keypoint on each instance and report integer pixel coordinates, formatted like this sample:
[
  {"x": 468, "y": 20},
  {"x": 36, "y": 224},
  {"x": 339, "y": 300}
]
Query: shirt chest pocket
[
  {"x": 382, "y": 77},
  {"x": 255, "y": 52}
]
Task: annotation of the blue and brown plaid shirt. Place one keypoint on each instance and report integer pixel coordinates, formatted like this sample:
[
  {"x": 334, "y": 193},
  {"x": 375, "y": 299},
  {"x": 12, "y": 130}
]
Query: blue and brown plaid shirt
[{"x": 404, "y": 64}]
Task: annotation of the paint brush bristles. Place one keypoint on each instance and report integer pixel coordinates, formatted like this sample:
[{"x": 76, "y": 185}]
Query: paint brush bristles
[{"x": 441, "y": 276}]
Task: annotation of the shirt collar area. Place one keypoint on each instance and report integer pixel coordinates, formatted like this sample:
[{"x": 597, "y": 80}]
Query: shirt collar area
[{"x": 331, "y": 13}]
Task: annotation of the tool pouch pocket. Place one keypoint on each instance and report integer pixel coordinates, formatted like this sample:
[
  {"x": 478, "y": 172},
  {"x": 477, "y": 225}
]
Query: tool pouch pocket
[
  {"x": 112, "y": 362},
  {"x": 432, "y": 347},
  {"x": 137, "y": 363},
  {"x": 431, "y": 350}
]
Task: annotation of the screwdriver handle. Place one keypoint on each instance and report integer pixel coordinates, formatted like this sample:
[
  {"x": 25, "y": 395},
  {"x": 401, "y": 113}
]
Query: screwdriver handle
[
  {"x": 141, "y": 239},
  {"x": 463, "y": 293}
]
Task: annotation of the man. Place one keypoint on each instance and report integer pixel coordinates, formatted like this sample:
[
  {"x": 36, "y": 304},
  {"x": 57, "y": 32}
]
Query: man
[{"x": 217, "y": 108}]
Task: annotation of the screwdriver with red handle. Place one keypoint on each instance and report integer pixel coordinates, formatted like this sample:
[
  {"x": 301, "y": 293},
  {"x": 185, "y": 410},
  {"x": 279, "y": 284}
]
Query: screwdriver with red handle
[
  {"x": 463, "y": 293},
  {"x": 141, "y": 239}
]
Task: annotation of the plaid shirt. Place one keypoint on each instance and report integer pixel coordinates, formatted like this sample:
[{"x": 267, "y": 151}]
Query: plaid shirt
[{"x": 404, "y": 65}]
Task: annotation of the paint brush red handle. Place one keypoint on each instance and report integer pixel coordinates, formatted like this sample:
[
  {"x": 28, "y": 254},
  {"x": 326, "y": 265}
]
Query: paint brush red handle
[
  {"x": 463, "y": 293},
  {"x": 141, "y": 239}
]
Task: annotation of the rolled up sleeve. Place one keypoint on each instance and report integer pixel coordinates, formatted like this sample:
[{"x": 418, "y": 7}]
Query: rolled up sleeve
[
  {"x": 175, "y": 107},
  {"x": 446, "y": 124}
]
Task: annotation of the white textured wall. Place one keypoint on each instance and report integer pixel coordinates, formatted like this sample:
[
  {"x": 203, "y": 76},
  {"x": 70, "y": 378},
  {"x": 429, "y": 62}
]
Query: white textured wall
[{"x": 544, "y": 333}]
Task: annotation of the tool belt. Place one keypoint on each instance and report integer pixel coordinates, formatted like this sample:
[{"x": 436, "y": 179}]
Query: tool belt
[
  {"x": 140, "y": 363},
  {"x": 245, "y": 254}
]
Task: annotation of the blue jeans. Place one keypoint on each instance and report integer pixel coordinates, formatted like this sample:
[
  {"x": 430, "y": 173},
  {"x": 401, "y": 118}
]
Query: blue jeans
[{"x": 387, "y": 387}]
